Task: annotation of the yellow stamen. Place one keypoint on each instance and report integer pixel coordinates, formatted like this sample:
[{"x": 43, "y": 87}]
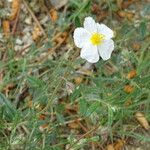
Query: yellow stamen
[{"x": 97, "y": 38}]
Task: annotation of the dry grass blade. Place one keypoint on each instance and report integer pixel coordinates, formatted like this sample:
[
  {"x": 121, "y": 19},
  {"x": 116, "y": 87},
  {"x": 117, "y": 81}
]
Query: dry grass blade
[
  {"x": 142, "y": 120},
  {"x": 15, "y": 9}
]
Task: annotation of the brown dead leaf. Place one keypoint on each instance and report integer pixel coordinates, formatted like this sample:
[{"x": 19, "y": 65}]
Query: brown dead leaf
[
  {"x": 121, "y": 13},
  {"x": 15, "y": 9},
  {"x": 131, "y": 74},
  {"x": 42, "y": 117},
  {"x": 129, "y": 15},
  {"x": 73, "y": 125},
  {"x": 95, "y": 9},
  {"x": 79, "y": 79},
  {"x": 119, "y": 144},
  {"x": 53, "y": 15},
  {"x": 71, "y": 108},
  {"x": 8, "y": 88},
  {"x": 61, "y": 37},
  {"x": 124, "y": 14},
  {"x": 128, "y": 88},
  {"x": 6, "y": 28},
  {"x": 136, "y": 46},
  {"x": 36, "y": 33},
  {"x": 99, "y": 12},
  {"x": 110, "y": 147},
  {"x": 43, "y": 127},
  {"x": 142, "y": 120}
]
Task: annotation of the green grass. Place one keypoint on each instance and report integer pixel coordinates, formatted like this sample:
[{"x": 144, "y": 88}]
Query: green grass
[{"x": 100, "y": 99}]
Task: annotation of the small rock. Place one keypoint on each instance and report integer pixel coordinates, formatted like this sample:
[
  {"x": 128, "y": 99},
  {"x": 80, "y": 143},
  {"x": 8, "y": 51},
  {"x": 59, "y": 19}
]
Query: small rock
[
  {"x": 44, "y": 20},
  {"x": 27, "y": 38},
  {"x": 17, "y": 48},
  {"x": 19, "y": 42},
  {"x": 27, "y": 29},
  {"x": 28, "y": 20}
]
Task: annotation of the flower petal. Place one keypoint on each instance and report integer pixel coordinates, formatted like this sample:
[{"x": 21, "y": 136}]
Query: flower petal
[
  {"x": 81, "y": 36},
  {"x": 90, "y": 25},
  {"x": 106, "y": 31},
  {"x": 90, "y": 53},
  {"x": 106, "y": 48}
]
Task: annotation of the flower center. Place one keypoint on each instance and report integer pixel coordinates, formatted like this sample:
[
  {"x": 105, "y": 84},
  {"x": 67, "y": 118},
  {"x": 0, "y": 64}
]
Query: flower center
[{"x": 97, "y": 38}]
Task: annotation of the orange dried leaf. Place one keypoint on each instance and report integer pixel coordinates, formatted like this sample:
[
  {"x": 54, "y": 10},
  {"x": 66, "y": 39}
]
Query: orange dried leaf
[
  {"x": 131, "y": 74},
  {"x": 43, "y": 127},
  {"x": 130, "y": 16},
  {"x": 73, "y": 125},
  {"x": 36, "y": 33},
  {"x": 136, "y": 46},
  {"x": 95, "y": 9},
  {"x": 6, "y": 27},
  {"x": 128, "y": 88},
  {"x": 42, "y": 117},
  {"x": 61, "y": 38},
  {"x": 122, "y": 13},
  {"x": 119, "y": 144},
  {"x": 15, "y": 9},
  {"x": 142, "y": 120},
  {"x": 9, "y": 87},
  {"x": 71, "y": 108},
  {"x": 110, "y": 147},
  {"x": 53, "y": 15},
  {"x": 78, "y": 80}
]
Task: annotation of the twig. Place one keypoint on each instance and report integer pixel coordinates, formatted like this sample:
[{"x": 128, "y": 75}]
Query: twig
[
  {"x": 1, "y": 70},
  {"x": 22, "y": 50},
  {"x": 34, "y": 17},
  {"x": 25, "y": 129},
  {"x": 82, "y": 126}
]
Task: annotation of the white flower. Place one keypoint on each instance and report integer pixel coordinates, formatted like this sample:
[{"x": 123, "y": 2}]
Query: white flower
[{"x": 94, "y": 40}]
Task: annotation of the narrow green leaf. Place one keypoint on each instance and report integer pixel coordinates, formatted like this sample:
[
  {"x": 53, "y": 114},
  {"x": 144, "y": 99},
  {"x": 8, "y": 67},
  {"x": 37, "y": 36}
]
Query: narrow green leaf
[
  {"x": 35, "y": 82},
  {"x": 143, "y": 29},
  {"x": 83, "y": 107},
  {"x": 92, "y": 108},
  {"x": 110, "y": 116},
  {"x": 8, "y": 110},
  {"x": 77, "y": 21}
]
